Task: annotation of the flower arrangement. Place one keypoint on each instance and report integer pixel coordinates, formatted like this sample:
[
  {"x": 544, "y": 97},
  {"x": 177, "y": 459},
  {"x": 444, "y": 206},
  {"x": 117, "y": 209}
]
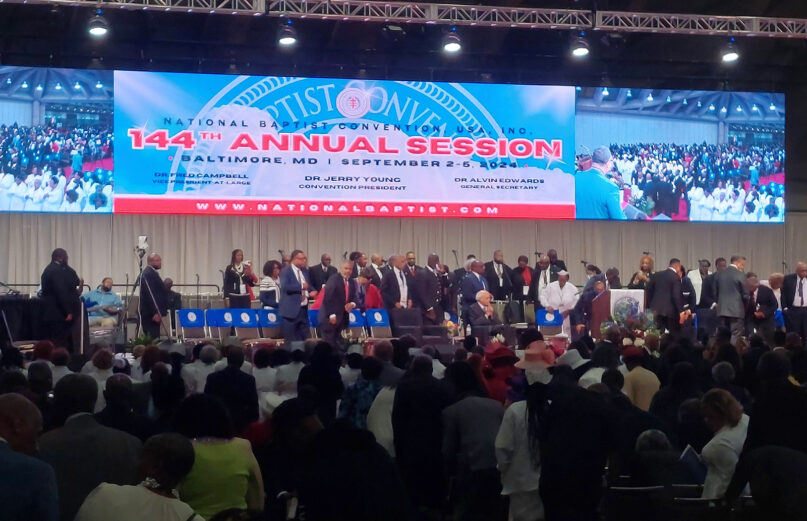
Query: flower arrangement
[
  {"x": 451, "y": 328},
  {"x": 632, "y": 323}
]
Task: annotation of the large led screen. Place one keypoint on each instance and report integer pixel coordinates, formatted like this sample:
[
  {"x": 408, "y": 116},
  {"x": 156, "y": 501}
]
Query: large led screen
[{"x": 230, "y": 145}]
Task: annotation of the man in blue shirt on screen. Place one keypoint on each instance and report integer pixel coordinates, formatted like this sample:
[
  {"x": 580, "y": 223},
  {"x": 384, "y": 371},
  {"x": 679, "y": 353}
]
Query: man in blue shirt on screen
[{"x": 595, "y": 197}]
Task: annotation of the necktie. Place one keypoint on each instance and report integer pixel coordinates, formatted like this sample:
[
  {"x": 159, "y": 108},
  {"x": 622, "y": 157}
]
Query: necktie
[
  {"x": 801, "y": 291},
  {"x": 403, "y": 281},
  {"x": 499, "y": 270},
  {"x": 347, "y": 293},
  {"x": 484, "y": 284},
  {"x": 300, "y": 280},
  {"x": 752, "y": 302},
  {"x": 545, "y": 278}
]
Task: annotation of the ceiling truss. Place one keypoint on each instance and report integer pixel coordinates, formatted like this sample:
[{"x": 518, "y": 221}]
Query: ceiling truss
[{"x": 470, "y": 15}]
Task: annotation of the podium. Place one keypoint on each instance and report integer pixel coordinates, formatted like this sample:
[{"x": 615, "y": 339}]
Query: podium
[{"x": 600, "y": 312}]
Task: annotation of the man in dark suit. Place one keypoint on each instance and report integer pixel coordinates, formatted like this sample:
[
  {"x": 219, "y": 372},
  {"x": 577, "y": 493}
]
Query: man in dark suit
[
  {"x": 27, "y": 484},
  {"x": 379, "y": 268},
  {"x": 732, "y": 296},
  {"x": 430, "y": 289},
  {"x": 84, "y": 453},
  {"x": 708, "y": 298},
  {"x": 295, "y": 290},
  {"x": 545, "y": 274},
  {"x": 794, "y": 301},
  {"x": 153, "y": 298},
  {"x": 395, "y": 291},
  {"x": 761, "y": 307},
  {"x": 483, "y": 317},
  {"x": 411, "y": 268},
  {"x": 473, "y": 283},
  {"x": 61, "y": 295},
  {"x": 236, "y": 389},
  {"x": 555, "y": 261},
  {"x": 340, "y": 298},
  {"x": 499, "y": 276},
  {"x": 320, "y": 274},
  {"x": 119, "y": 411},
  {"x": 664, "y": 296},
  {"x": 455, "y": 283}
]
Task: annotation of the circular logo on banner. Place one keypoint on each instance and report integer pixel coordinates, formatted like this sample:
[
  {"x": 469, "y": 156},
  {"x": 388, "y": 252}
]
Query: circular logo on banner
[
  {"x": 352, "y": 318},
  {"x": 446, "y": 315},
  {"x": 245, "y": 317},
  {"x": 550, "y": 317},
  {"x": 272, "y": 317},
  {"x": 353, "y": 103},
  {"x": 625, "y": 308},
  {"x": 228, "y": 317},
  {"x": 192, "y": 316},
  {"x": 377, "y": 316}
]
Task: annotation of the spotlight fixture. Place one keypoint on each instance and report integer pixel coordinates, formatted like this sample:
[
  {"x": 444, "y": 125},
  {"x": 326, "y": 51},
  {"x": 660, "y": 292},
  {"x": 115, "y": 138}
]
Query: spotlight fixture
[
  {"x": 755, "y": 108},
  {"x": 685, "y": 102},
  {"x": 99, "y": 85},
  {"x": 605, "y": 92},
  {"x": 669, "y": 99},
  {"x": 739, "y": 108},
  {"x": 730, "y": 53},
  {"x": 629, "y": 94},
  {"x": 649, "y": 96},
  {"x": 723, "y": 110},
  {"x": 580, "y": 48},
  {"x": 98, "y": 26},
  {"x": 772, "y": 107},
  {"x": 287, "y": 36},
  {"x": 77, "y": 86},
  {"x": 24, "y": 85},
  {"x": 39, "y": 87},
  {"x": 712, "y": 107},
  {"x": 8, "y": 81},
  {"x": 58, "y": 86},
  {"x": 451, "y": 42},
  {"x": 700, "y": 103}
]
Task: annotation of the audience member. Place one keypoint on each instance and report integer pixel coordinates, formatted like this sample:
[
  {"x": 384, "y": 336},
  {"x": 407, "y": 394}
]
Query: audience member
[
  {"x": 724, "y": 417},
  {"x": 655, "y": 462},
  {"x": 84, "y": 453},
  {"x": 166, "y": 460},
  {"x": 119, "y": 410},
  {"x": 27, "y": 485},
  {"x": 60, "y": 359},
  {"x": 683, "y": 385},
  {"x": 265, "y": 375},
  {"x": 390, "y": 374},
  {"x": 358, "y": 398},
  {"x": 640, "y": 385},
  {"x": 322, "y": 375},
  {"x": 225, "y": 473},
  {"x": 195, "y": 374},
  {"x": 235, "y": 389},
  {"x": 351, "y": 371},
  {"x": 288, "y": 374}
]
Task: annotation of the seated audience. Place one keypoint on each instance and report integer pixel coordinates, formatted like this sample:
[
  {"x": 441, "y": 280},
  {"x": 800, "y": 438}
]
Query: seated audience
[
  {"x": 288, "y": 374},
  {"x": 119, "y": 410},
  {"x": 351, "y": 371},
  {"x": 225, "y": 473},
  {"x": 322, "y": 375},
  {"x": 165, "y": 461},
  {"x": 60, "y": 359},
  {"x": 235, "y": 389},
  {"x": 641, "y": 385},
  {"x": 358, "y": 398},
  {"x": 265, "y": 375},
  {"x": 390, "y": 374},
  {"x": 84, "y": 453},
  {"x": 195, "y": 374},
  {"x": 655, "y": 462}
]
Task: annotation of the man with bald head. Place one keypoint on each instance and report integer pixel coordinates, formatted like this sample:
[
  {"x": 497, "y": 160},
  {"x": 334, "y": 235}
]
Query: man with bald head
[
  {"x": 320, "y": 274},
  {"x": 339, "y": 300},
  {"x": 545, "y": 274},
  {"x": 153, "y": 298},
  {"x": 395, "y": 290},
  {"x": 761, "y": 307},
  {"x": 60, "y": 293},
  {"x": 27, "y": 484},
  {"x": 499, "y": 276},
  {"x": 379, "y": 268},
  {"x": 84, "y": 453},
  {"x": 794, "y": 301}
]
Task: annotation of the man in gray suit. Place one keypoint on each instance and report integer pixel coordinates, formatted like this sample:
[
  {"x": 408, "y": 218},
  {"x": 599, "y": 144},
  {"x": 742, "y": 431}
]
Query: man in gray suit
[
  {"x": 732, "y": 296},
  {"x": 84, "y": 453}
]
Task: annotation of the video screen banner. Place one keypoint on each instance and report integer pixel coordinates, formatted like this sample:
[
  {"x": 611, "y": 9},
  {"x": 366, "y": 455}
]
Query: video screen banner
[
  {"x": 297, "y": 146},
  {"x": 248, "y": 145}
]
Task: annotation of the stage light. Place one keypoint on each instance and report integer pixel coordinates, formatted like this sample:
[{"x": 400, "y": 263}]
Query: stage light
[
  {"x": 58, "y": 86},
  {"x": 99, "y": 85},
  {"x": 772, "y": 107},
  {"x": 8, "y": 80},
  {"x": 77, "y": 85},
  {"x": 39, "y": 87},
  {"x": 700, "y": 104},
  {"x": 287, "y": 36},
  {"x": 605, "y": 92},
  {"x": 629, "y": 94},
  {"x": 739, "y": 108},
  {"x": 579, "y": 48},
  {"x": 685, "y": 102},
  {"x": 669, "y": 99},
  {"x": 24, "y": 85},
  {"x": 730, "y": 52},
  {"x": 712, "y": 108},
  {"x": 649, "y": 96},
  {"x": 755, "y": 108},
  {"x": 452, "y": 42},
  {"x": 723, "y": 110},
  {"x": 98, "y": 26},
  {"x": 578, "y": 88}
]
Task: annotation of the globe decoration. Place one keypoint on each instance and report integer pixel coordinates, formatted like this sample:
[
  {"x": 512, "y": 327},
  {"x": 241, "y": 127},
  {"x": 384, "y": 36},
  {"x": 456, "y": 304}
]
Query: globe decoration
[{"x": 625, "y": 309}]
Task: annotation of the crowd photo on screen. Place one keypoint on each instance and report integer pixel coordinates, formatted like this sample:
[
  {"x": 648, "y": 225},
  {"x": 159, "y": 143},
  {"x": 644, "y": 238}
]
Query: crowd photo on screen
[
  {"x": 680, "y": 155},
  {"x": 49, "y": 168}
]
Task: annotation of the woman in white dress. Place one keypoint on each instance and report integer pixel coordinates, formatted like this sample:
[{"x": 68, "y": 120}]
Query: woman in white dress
[
  {"x": 53, "y": 196},
  {"x": 16, "y": 195},
  {"x": 35, "y": 196}
]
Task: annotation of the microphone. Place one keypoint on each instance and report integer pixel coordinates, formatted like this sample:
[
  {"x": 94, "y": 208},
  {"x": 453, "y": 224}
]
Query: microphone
[
  {"x": 281, "y": 252},
  {"x": 454, "y": 251},
  {"x": 645, "y": 253},
  {"x": 344, "y": 255},
  {"x": 538, "y": 253},
  {"x": 11, "y": 291},
  {"x": 584, "y": 263},
  {"x": 197, "y": 277}
]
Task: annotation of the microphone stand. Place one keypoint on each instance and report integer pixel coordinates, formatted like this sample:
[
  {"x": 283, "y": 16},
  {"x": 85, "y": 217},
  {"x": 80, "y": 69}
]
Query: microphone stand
[
  {"x": 140, "y": 252},
  {"x": 198, "y": 298},
  {"x": 456, "y": 259}
]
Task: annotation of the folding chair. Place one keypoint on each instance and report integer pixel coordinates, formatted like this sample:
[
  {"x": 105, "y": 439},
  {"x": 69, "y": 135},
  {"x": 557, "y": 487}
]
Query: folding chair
[
  {"x": 220, "y": 322},
  {"x": 269, "y": 321},
  {"x": 191, "y": 325},
  {"x": 378, "y": 322},
  {"x": 546, "y": 326},
  {"x": 245, "y": 321},
  {"x": 313, "y": 322},
  {"x": 357, "y": 324}
]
